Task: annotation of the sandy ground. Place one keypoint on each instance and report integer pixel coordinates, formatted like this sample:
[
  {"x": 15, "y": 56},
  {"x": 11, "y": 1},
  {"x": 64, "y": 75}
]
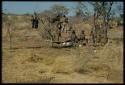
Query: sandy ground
[{"x": 32, "y": 60}]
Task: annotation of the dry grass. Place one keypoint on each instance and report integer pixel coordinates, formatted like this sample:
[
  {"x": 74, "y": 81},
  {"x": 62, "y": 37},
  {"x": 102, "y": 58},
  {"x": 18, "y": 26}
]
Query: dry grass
[{"x": 43, "y": 64}]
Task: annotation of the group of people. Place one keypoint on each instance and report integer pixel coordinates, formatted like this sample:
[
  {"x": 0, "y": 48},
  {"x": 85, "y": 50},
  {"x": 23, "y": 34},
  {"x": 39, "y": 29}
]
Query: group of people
[
  {"x": 61, "y": 24},
  {"x": 81, "y": 39}
]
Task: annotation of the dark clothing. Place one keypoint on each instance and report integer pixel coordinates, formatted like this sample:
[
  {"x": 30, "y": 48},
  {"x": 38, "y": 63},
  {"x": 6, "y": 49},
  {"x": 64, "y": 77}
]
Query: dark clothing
[{"x": 35, "y": 23}]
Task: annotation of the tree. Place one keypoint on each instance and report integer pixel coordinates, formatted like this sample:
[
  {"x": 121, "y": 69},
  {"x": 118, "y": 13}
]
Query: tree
[
  {"x": 102, "y": 11},
  {"x": 46, "y": 13},
  {"x": 60, "y": 9},
  {"x": 81, "y": 10},
  {"x": 120, "y": 10}
]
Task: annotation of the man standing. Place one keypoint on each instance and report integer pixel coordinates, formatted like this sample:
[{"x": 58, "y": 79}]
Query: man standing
[
  {"x": 74, "y": 38},
  {"x": 82, "y": 38},
  {"x": 35, "y": 21}
]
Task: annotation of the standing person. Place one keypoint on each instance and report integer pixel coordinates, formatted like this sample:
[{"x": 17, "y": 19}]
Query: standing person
[
  {"x": 64, "y": 22},
  {"x": 82, "y": 37},
  {"x": 74, "y": 38},
  {"x": 93, "y": 36},
  {"x": 33, "y": 21},
  {"x": 36, "y": 22}
]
